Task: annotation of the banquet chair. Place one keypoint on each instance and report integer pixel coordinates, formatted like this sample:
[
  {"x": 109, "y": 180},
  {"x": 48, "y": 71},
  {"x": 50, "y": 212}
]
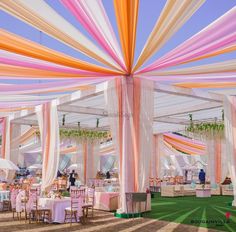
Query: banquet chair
[
  {"x": 34, "y": 210},
  {"x": 21, "y": 200},
  {"x": 90, "y": 201},
  {"x": 13, "y": 194},
  {"x": 75, "y": 209}
]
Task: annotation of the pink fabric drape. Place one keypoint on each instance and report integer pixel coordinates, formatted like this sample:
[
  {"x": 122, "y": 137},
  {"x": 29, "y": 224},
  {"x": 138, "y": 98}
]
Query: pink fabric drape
[
  {"x": 94, "y": 19},
  {"x": 9, "y": 58},
  {"x": 219, "y": 35}
]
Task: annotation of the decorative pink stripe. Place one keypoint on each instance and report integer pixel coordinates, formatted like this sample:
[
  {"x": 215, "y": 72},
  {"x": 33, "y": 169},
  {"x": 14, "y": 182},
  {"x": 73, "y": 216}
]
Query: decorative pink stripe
[{"x": 83, "y": 15}]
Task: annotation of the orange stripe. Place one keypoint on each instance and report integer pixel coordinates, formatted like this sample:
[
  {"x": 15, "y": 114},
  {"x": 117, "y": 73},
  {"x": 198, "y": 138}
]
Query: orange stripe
[
  {"x": 16, "y": 44},
  {"x": 127, "y": 17},
  {"x": 3, "y": 151},
  {"x": 47, "y": 127},
  {"x": 118, "y": 85},
  {"x": 218, "y": 160},
  {"x": 85, "y": 153},
  {"x": 197, "y": 146},
  {"x": 136, "y": 131}
]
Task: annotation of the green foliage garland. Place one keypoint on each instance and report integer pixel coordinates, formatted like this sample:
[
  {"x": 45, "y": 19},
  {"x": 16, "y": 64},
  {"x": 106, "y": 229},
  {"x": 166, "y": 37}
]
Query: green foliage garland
[
  {"x": 82, "y": 134},
  {"x": 206, "y": 128}
]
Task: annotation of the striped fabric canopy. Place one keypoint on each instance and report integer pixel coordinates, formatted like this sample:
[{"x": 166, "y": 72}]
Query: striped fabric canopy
[{"x": 108, "y": 55}]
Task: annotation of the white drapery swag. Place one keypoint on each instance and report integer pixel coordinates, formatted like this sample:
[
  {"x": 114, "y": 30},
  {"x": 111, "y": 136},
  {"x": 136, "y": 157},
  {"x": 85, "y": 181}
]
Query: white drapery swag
[
  {"x": 125, "y": 140},
  {"x": 210, "y": 171},
  {"x": 89, "y": 160},
  {"x": 155, "y": 159},
  {"x": 230, "y": 138},
  {"x": 217, "y": 168},
  {"x": 50, "y": 140},
  {"x": 5, "y": 150},
  {"x": 92, "y": 159}
]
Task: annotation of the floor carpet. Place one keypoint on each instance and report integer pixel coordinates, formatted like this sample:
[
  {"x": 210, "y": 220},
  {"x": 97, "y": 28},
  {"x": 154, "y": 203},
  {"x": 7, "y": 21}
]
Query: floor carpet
[{"x": 215, "y": 212}]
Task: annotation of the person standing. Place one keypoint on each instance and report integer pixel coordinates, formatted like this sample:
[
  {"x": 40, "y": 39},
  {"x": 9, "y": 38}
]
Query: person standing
[
  {"x": 72, "y": 178},
  {"x": 202, "y": 176},
  {"x": 108, "y": 175}
]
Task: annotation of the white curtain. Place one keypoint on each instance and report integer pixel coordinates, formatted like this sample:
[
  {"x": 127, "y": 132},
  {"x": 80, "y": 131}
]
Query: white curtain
[
  {"x": 5, "y": 149},
  {"x": 14, "y": 145},
  {"x": 49, "y": 130},
  {"x": 230, "y": 138},
  {"x": 210, "y": 170},
  {"x": 130, "y": 110},
  {"x": 92, "y": 159},
  {"x": 146, "y": 133}
]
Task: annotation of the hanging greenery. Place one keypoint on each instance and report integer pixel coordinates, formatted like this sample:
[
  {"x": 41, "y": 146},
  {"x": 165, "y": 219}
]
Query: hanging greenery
[
  {"x": 80, "y": 134},
  {"x": 206, "y": 128}
]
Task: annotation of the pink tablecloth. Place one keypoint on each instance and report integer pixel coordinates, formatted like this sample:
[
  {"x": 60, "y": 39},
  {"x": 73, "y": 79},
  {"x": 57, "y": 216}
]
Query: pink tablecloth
[
  {"x": 57, "y": 207},
  {"x": 106, "y": 200}
]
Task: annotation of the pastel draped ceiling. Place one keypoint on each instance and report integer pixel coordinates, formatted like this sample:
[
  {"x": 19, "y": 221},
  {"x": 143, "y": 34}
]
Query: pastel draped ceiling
[{"x": 93, "y": 17}]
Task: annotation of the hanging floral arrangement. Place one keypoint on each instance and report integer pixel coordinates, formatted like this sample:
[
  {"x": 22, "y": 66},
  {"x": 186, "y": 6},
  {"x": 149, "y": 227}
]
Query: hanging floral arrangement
[
  {"x": 81, "y": 134},
  {"x": 215, "y": 128}
]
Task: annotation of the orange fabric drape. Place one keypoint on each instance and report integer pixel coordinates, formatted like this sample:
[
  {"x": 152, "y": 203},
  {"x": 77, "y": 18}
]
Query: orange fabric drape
[
  {"x": 3, "y": 147},
  {"x": 218, "y": 161},
  {"x": 85, "y": 155},
  {"x": 136, "y": 127},
  {"x": 127, "y": 17},
  {"x": 118, "y": 85},
  {"x": 17, "y": 71},
  {"x": 182, "y": 141},
  {"x": 207, "y": 85},
  {"x": 16, "y": 44},
  {"x": 46, "y": 135}
]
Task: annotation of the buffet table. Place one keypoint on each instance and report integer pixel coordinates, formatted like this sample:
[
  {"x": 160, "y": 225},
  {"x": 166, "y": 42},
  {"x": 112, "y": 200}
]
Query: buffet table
[
  {"x": 57, "y": 207},
  {"x": 206, "y": 192},
  {"x": 4, "y": 195},
  {"x": 107, "y": 201}
]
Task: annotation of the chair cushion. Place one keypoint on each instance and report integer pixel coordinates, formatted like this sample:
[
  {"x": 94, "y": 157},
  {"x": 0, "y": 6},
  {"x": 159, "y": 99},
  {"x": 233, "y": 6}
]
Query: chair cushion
[
  {"x": 87, "y": 205},
  {"x": 70, "y": 209}
]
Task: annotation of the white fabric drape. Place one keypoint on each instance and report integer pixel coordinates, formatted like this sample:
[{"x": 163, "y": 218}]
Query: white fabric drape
[
  {"x": 146, "y": 131},
  {"x": 130, "y": 111},
  {"x": 7, "y": 138},
  {"x": 49, "y": 130},
  {"x": 14, "y": 145},
  {"x": 92, "y": 159},
  {"x": 230, "y": 138},
  {"x": 210, "y": 171}
]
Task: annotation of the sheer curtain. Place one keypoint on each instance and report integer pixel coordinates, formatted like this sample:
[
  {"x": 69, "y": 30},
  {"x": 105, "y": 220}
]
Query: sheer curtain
[
  {"x": 230, "y": 138},
  {"x": 130, "y": 110},
  {"x": 49, "y": 130},
  {"x": 5, "y": 152}
]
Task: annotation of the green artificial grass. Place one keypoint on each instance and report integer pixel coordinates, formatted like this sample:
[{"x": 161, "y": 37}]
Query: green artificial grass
[{"x": 202, "y": 212}]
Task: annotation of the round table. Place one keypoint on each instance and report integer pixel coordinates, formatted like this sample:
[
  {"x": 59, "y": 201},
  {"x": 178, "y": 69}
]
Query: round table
[{"x": 57, "y": 207}]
